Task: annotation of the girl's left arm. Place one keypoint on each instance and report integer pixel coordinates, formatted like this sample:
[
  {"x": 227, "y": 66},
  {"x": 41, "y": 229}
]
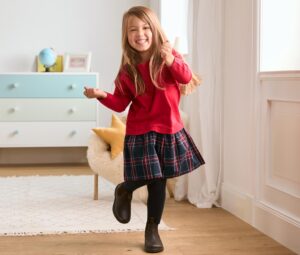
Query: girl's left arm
[{"x": 179, "y": 69}]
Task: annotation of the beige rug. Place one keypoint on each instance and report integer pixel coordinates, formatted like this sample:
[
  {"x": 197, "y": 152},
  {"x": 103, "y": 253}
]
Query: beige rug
[{"x": 39, "y": 205}]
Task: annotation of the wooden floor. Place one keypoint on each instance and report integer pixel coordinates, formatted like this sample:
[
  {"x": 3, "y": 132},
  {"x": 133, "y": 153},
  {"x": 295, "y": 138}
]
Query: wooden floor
[{"x": 198, "y": 231}]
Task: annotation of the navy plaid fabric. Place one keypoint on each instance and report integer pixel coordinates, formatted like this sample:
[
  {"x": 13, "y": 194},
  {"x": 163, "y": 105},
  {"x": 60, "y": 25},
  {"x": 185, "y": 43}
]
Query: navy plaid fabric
[{"x": 154, "y": 155}]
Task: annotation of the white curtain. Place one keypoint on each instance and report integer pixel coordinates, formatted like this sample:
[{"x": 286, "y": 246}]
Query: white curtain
[{"x": 202, "y": 186}]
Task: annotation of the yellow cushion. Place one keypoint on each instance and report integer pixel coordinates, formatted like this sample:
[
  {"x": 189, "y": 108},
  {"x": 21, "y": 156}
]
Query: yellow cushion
[{"x": 114, "y": 135}]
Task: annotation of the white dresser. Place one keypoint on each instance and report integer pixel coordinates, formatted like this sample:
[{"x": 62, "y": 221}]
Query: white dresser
[{"x": 46, "y": 109}]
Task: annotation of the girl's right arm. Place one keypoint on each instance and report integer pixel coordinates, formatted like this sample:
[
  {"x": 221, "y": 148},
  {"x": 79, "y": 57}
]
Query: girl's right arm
[{"x": 118, "y": 101}]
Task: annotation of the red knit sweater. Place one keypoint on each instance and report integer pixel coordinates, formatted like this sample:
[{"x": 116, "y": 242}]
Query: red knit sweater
[{"x": 156, "y": 109}]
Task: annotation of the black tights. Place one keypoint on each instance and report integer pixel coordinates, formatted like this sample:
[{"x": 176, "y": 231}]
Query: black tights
[{"x": 156, "y": 195}]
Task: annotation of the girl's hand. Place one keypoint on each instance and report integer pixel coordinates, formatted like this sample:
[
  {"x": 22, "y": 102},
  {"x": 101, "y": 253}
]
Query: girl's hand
[
  {"x": 166, "y": 53},
  {"x": 94, "y": 93}
]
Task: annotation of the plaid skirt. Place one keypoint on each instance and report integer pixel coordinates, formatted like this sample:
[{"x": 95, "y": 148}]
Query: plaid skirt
[{"x": 154, "y": 155}]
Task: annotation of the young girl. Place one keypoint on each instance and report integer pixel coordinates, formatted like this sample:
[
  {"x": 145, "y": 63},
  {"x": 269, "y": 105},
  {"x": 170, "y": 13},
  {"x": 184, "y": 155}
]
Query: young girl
[{"x": 156, "y": 145}]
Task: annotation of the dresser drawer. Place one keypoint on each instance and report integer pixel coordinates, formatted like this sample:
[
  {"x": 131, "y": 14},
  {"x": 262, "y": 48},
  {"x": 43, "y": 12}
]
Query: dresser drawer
[
  {"x": 47, "y": 134},
  {"x": 45, "y": 85},
  {"x": 47, "y": 110}
]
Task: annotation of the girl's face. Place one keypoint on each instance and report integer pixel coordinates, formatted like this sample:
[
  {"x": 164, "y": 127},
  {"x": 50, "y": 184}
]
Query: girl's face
[{"x": 139, "y": 36}]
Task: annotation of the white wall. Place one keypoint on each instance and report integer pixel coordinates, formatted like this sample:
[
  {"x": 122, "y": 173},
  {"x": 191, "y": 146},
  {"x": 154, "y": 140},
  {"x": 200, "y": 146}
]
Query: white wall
[
  {"x": 28, "y": 26},
  {"x": 238, "y": 108},
  {"x": 255, "y": 114}
]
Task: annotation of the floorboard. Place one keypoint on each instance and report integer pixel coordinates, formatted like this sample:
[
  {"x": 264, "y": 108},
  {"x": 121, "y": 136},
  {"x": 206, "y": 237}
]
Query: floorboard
[{"x": 197, "y": 231}]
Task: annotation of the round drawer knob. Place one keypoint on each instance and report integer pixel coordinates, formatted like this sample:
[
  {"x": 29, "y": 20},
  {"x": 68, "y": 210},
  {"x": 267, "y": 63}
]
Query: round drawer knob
[
  {"x": 14, "y": 85},
  {"x": 15, "y": 132},
  {"x": 73, "y": 132},
  {"x": 73, "y": 110},
  {"x": 14, "y": 109},
  {"x": 73, "y": 86}
]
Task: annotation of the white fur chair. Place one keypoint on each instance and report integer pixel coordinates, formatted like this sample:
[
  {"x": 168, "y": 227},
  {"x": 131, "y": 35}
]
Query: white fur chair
[{"x": 99, "y": 159}]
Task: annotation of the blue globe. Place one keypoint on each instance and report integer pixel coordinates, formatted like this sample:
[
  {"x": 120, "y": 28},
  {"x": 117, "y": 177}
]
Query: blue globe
[{"x": 47, "y": 57}]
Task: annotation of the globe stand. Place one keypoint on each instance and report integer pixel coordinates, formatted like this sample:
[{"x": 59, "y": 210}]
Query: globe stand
[{"x": 47, "y": 69}]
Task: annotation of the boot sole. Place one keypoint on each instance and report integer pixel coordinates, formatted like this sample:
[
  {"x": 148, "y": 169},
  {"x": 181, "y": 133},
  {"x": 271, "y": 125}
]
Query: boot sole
[{"x": 154, "y": 250}]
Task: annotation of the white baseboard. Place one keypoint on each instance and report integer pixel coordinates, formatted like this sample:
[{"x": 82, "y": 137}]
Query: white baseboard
[
  {"x": 274, "y": 224},
  {"x": 237, "y": 203}
]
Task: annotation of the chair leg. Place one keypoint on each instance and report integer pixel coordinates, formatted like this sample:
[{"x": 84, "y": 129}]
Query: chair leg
[
  {"x": 96, "y": 187},
  {"x": 170, "y": 188}
]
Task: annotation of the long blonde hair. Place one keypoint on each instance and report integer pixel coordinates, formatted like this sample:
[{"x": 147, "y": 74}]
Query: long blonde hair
[{"x": 130, "y": 57}]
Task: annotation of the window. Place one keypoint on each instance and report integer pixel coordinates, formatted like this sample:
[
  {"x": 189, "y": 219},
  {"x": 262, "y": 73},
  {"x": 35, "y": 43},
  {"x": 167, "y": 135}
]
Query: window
[
  {"x": 173, "y": 14},
  {"x": 280, "y": 35}
]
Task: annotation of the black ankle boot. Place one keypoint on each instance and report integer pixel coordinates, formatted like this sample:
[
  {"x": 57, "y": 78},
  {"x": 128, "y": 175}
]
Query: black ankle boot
[
  {"x": 152, "y": 240},
  {"x": 122, "y": 204}
]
